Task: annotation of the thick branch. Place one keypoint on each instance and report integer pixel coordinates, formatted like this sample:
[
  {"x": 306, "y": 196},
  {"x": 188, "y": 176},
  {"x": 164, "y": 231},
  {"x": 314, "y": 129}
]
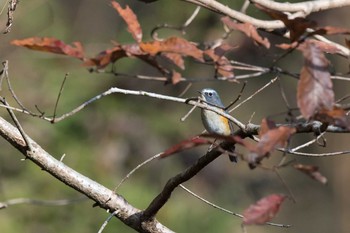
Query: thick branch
[
  {"x": 225, "y": 10},
  {"x": 104, "y": 197},
  {"x": 182, "y": 177},
  {"x": 307, "y": 7}
]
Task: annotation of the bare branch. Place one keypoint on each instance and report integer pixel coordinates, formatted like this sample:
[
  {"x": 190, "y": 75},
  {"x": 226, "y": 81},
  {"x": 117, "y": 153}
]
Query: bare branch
[
  {"x": 135, "y": 169},
  {"x": 105, "y": 198},
  {"x": 306, "y": 7},
  {"x": 225, "y": 210},
  {"x": 63, "y": 202},
  {"x": 107, "y": 220},
  {"x": 59, "y": 96},
  {"x": 223, "y": 9},
  {"x": 254, "y": 94},
  {"x": 18, "y": 125},
  {"x": 160, "y": 200}
]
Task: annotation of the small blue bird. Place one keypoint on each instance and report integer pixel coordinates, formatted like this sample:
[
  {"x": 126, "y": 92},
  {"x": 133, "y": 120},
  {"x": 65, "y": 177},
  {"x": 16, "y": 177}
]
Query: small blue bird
[{"x": 213, "y": 122}]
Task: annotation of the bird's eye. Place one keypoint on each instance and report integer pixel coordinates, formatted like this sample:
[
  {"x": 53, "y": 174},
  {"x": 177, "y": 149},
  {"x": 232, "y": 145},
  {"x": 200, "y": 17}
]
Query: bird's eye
[{"x": 210, "y": 94}]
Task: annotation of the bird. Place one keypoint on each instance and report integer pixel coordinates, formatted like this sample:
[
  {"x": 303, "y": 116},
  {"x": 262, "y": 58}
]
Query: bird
[{"x": 213, "y": 122}]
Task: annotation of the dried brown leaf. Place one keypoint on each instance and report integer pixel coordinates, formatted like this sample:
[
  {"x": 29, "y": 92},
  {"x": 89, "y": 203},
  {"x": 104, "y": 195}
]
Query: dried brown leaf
[
  {"x": 172, "y": 45},
  {"x": 311, "y": 171},
  {"x": 329, "y": 30},
  {"x": 221, "y": 63},
  {"x": 315, "y": 88},
  {"x": 51, "y": 45},
  {"x": 265, "y": 126},
  {"x": 131, "y": 20},
  {"x": 184, "y": 145},
  {"x": 347, "y": 42},
  {"x": 176, "y": 77},
  {"x": 248, "y": 29},
  {"x": 106, "y": 57},
  {"x": 336, "y": 116},
  {"x": 263, "y": 210},
  {"x": 270, "y": 140},
  {"x": 176, "y": 59},
  {"x": 296, "y": 26}
]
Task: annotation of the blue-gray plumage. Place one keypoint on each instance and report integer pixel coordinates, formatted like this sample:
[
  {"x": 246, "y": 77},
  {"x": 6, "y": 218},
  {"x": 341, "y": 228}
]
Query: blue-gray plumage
[{"x": 215, "y": 123}]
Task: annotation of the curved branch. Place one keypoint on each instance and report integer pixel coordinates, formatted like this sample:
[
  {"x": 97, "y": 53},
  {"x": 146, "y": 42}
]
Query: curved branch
[
  {"x": 307, "y": 7},
  {"x": 104, "y": 197},
  {"x": 160, "y": 200},
  {"x": 223, "y": 9},
  {"x": 303, "y": 8}
]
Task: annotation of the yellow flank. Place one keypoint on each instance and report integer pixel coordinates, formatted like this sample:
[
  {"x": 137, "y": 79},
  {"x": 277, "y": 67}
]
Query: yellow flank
[{"x": 226, "y": 124}]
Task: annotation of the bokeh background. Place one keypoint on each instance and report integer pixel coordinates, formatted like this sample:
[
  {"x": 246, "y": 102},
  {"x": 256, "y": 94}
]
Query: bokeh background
[{"x": 113, "y": 135}]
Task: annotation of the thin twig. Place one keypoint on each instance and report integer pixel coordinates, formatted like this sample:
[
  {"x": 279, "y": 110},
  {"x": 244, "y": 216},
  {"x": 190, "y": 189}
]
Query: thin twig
[
  {"x": 225, "y": 210},
  {"x": 306, "y": 144},
  {"x": 160, "y": 200},
  {"x": 188, "y": 113},
  {"x": 59, "y": 96},
  {"x": 135, "y": 169},
  {"x": 107, "y": 221},
  {"x": 3, "y": 72},
  {"x": 238, "y": 97},
  {"x": 188, "y": 86},
  {"x": 283, "y": 94},
  {"x": 319, "y": 154},
  {"x": 191, "y": 18},
  {"x": 254, "y": 94},
  {"x": 10, "y": 87},
  {"x": 63, "y": 202},
  {"x": 285, "y": 184},
  {"x": 18, "y": 125},
  {"x": 181, "y": 28},
  {"x": 245, "y": 6}
]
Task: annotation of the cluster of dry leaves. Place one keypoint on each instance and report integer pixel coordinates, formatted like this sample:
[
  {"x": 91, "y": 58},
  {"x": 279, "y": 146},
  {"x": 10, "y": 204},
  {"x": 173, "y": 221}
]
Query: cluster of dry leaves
[
  {"x": 315, "y": 96},
  {"x": 315, "y": 93}
]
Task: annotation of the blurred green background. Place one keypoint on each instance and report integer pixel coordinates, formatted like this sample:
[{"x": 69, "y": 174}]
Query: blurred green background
[{"x": 113, "y": 135}]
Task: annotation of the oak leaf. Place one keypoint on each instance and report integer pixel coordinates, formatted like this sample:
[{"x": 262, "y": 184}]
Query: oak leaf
[
  {"x": 51, "y": 45},
  {"x": 131, "y": 20}
]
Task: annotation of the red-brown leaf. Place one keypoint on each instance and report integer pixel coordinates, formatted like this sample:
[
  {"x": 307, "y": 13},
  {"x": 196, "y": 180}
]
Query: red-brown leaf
[
  {"x": 176, "y": 59},
  {"x": 184, "y": 145},
  {"x": 315, "y": 88},
  {"x": 323, "y": 46},
  {"x": 221, "y": 63},
  {"x": 176, "y": 77},
  {"x": 106, "y": 57},
  {"x": 287, "y": 46},
  {"x": 172, "y": 45},
  {"x": 51, "y": 45},
  {"x": 248, "y": 29},
  {"x": 329, "y": 30},
  {"x": 347, "y": 42},
  {"x": 311, "y": 171},
  {"x": 264, "y": 210},
  {"x": 270, "y": 139},
  {"x": 265, "y": 126},
  {"x": 296, "y": 26},
  {"x": 337, "y": 117},
  {"x": 274, "y": 138},
  {"x": 131, "y": 20}
]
